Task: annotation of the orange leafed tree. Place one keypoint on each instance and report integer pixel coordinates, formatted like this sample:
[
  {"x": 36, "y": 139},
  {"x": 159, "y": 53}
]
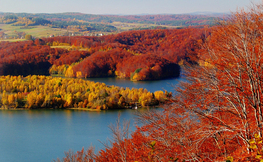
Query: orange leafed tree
[{"x": 219, "y": 110}]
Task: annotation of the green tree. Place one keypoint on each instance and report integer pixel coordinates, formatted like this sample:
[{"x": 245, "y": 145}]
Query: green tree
[{"x": 28, "y": 37}]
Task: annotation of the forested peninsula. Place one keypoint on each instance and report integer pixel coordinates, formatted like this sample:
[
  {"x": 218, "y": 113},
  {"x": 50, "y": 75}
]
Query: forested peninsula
[
  {"x": 35, "y": 92},
  {"x": 136, "y": 55}
]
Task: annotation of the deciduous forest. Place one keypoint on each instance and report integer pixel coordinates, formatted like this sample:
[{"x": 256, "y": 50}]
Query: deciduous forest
[
  {"x": 35, "y": 92},
  {"x": 216, "y": 115},
  {"x": 137, "y": 55}
]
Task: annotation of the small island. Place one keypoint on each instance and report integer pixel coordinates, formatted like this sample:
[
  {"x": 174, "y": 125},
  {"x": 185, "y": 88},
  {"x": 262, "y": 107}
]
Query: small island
[{"x": 35, "y": 92}]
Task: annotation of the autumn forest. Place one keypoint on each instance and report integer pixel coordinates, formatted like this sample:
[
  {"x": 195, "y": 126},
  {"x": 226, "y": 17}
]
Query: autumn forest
[
  {"x": 138, "y": 55},
  {"x": 215, "y": 115},
  {"x": 135, "y": 55}
]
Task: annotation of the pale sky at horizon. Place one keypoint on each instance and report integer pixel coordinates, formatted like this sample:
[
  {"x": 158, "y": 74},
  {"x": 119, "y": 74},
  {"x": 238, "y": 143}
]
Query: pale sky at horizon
[{"x": 123, "y": 6}]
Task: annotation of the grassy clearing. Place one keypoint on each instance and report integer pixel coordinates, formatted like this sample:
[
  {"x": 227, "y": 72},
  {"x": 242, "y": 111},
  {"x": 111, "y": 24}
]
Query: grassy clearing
[
  {"x": 12, "y": 40},
  {"x": 35, "y": 31},
  {"x": 46, "y": 31},
  {"x": 129, "y": 26}
]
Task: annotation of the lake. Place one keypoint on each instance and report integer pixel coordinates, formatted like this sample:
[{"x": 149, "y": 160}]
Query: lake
[
  {"x": 44, "y": 135},
  {"x": 166, "y": 84}
]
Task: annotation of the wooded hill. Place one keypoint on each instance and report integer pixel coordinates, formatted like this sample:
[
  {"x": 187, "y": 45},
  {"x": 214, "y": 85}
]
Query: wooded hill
[
  {"x": 34, "y": 21},
  {"x": 138, "y": 55}
]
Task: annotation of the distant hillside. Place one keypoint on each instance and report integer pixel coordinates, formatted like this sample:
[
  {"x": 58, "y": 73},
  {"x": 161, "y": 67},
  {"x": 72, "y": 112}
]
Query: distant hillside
[
  {"x": 17, "y": 26},
  {"x": 210, "y": 14},
  {"x": 162, "y": 19}
]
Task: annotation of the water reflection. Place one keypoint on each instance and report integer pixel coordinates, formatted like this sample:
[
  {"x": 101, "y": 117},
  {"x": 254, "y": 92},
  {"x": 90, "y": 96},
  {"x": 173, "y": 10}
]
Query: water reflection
[{"x": 68, "y": 115}]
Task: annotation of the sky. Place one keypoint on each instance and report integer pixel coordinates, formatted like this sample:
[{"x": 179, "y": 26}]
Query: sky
[{"x": 125, "y": 7}]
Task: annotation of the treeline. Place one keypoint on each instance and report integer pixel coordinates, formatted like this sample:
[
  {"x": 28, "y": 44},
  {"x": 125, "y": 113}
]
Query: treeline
[
  {"x": 33, "y": 21},
  {"x": 30, "y": 21},
  {"x": 83, "y": 26},
  {"x": 26, "y": 58},
  {"x": 8, "y": 19},
  {"x": 189, "y": 22},
  {"x": 23, "y": 21},
  {"x": 51, "y": 92},
  {"x": 138, "y": 55}
]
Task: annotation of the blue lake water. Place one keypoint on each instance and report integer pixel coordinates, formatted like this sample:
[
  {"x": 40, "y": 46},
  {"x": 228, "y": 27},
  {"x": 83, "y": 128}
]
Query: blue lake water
[
  {"x": 44, "y": 135},
  {"x": 166, "y": 84}
]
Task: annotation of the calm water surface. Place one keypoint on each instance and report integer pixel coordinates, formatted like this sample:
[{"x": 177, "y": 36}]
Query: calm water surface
[
  {"x": 44, "y": 135},
  {"x": 151, "y": 86}
]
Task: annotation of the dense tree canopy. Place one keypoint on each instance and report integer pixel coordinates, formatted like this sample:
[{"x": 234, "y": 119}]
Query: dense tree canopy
[
  {"x": 34, "y": 92},
  {"x": 156, "y": 52}
]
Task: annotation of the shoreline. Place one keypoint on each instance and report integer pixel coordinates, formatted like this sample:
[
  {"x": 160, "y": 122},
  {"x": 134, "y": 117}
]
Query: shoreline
[{"x": 88, "y": 109}]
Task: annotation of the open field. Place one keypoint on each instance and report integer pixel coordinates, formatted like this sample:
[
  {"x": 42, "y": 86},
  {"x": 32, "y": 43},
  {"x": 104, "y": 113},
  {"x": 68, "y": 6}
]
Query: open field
[
  {"x": 46, "y": 31},
  {"x": 12, "y": 40},
  {"x": 35, "y": 31},
  {"x": 128, "y": 26}
]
